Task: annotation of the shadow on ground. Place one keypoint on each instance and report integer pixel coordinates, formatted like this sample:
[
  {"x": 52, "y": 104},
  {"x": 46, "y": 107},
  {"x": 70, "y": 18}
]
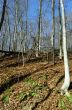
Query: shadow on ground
[
  {"x": 18, "y": 77},
  {"x": 70, "y": 86}
]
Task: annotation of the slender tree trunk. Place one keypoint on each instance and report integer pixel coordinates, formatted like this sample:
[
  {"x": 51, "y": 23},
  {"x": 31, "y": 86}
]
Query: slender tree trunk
[
  {"x": 60, "y": 34},
  {"x": 3, "y": 13},
  {"x": 14, "y": 40},
  {"x": 9, "y": 32},
  {"x": 40, "y": 25},
  {"x": 53, "y": 29},
  {"x": 5, "y": 46},
  {"x": 8, "y": 28},
  {"x": 39, "y": 28},
  {"x": 16, "y": 26},
  {"x": 66, "y": 84},
  {"x": 26, "y": 33},
  {"x": 3, "y": 42},
  {"x": 22, "y": 49},
  {"x": 3, "y": 35}
]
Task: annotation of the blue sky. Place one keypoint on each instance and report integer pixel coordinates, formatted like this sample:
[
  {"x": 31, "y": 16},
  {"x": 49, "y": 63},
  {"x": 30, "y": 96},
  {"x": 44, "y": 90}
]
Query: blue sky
[{"x": 34, "y": 7}]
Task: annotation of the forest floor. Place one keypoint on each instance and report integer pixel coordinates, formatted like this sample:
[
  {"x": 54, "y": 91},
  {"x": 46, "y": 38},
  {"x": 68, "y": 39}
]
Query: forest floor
[{"x": 34, "y": 86}]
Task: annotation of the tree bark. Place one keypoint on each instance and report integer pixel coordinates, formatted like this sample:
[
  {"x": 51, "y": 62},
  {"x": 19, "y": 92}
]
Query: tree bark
[
  {"x": 60, "y": 34},
  {"x": 39, "y": 28},
  {"x": 3, "y": 13},
  {"x": 8, "y": 36},
  {"x": 16, "y": 26},
  {"x": 66, "y": 84},
  {"x": 22, "y": 48},
  {"x": 53, "y": 29},
  {"x": 26, "y": 32}
]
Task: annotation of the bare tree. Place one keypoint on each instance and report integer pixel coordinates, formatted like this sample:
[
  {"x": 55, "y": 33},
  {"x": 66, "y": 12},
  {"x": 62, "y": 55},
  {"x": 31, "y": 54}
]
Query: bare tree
[
  {"x": 66, "y": 84},
  {"x": 16, "y": 26},
  {"x": 8, "y": 28},
  {"x": 21, "y": 33},
  {"x": 60, "y": 33},
  {"x": 53, "y": 28},
  {"x": 3, "y": 13},
  {"x": 26, "y": 25},
  {"x": 39, "y": 28},
  {"x": 3, "y": 35}
]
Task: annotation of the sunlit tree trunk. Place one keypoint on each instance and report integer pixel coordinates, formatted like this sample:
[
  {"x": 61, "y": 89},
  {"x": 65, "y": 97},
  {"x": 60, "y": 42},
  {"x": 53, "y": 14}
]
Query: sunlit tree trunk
[
  {"x": 26, "y": 31},
  {"x": 39, "y": 28},
  {"x": 3, "y": 42},
  {"x": 3, "y": 34},
  {"x": 66, "y": 84},
  {"x": 60, "y": 34},
  {"x": 8, "y": 28},
  {"x": 16, "y": 26},
  {"x": 53, "y": 29}
]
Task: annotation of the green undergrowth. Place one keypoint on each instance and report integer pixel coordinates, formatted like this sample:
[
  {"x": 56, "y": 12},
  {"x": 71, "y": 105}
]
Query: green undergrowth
[
  {"x": 65, "y": 103},
  {"x": 5, "y": 99},
  {"x": 30, "y": 82},
  {"x": 34, "y": 89},
  {"x": 6, "y": 95}
]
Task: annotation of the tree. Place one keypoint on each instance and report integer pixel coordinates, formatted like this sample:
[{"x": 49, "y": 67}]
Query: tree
[
  {"x": 53, "y": 28},
  {"x": 8, "y": 35},
  {"x": 16, "y": 26},
  {"x": 66, "y": 84},
  {"x": 39, "y": 27},
  {"x": 26, "y": 34},
  {"x": 60, "y": 33},
  {"x": 21, "y": 33},
  {"x": 3, "y": 13}
]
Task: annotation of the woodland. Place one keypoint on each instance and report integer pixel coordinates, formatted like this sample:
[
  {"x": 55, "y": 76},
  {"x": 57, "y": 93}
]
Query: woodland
[{"x": 35, "y": 54}]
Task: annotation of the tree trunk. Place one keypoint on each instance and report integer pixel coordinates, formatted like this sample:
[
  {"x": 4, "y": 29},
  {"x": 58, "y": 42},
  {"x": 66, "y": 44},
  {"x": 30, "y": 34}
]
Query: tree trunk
[
  {"x": 16, "y": 26},
  {"x": 8, "y": 29},
  {"x": 53, "y": 29},
  {"x": 60, "y": 34},
  {"x": 66, "y": 84},
  {"x": 26, "y": 33},
  {"x": 3, "y": 13},
  {"x": 22, "y": 48},
  {"x": 39, "y": 28}
]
